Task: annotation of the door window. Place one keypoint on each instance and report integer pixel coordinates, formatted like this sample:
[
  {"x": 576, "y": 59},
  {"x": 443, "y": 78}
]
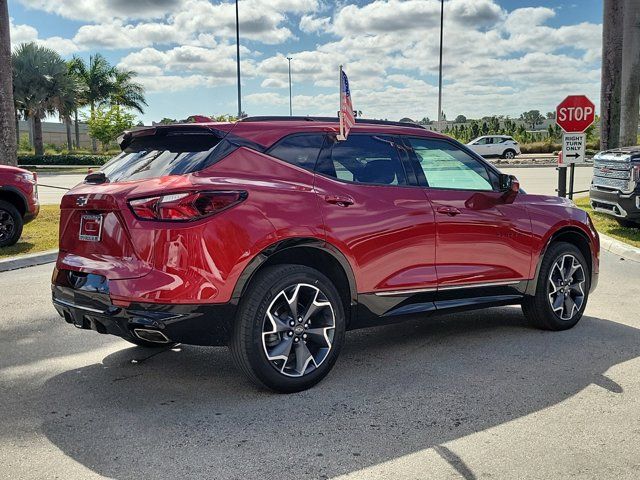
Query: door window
[
  {"x": 446, "y": 166},
  {"x": 370, "y": 159}
]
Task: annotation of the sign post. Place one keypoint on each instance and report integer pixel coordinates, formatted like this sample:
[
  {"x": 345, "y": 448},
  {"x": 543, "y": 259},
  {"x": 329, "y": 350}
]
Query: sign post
[{"x": 574, "y": 115}]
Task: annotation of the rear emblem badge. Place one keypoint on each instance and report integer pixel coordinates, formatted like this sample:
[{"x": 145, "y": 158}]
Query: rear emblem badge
[{"x": 81, "y": 201}]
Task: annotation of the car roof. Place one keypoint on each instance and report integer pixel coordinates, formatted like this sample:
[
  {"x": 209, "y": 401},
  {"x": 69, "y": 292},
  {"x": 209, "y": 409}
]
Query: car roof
[{"x": 266, "y": 131}]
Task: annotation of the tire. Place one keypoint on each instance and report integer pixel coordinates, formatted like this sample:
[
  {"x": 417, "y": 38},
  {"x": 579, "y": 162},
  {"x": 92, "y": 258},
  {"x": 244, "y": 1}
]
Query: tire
[
  {"x": 623, "y": 222},
  {"x": 509, "y": 154},
  {"x": 266, "y": 348},
  {"x": 11, "y": 224},
  {"x": 538, "y": 309}
]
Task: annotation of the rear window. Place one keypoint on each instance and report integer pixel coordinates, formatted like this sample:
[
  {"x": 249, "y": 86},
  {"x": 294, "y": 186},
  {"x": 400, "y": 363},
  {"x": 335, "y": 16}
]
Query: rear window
[{"x": 157, "y": 156}]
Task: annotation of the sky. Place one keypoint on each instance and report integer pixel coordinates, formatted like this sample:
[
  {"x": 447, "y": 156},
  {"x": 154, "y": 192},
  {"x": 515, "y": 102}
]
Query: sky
[{"x": 501, "y": 57}]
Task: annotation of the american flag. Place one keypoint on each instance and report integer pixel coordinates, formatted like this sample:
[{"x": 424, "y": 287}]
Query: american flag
[{"x": 347, "y": 118}]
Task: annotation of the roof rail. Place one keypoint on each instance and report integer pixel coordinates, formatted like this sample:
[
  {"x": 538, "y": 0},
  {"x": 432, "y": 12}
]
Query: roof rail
[{"x": 366, "y": 121}]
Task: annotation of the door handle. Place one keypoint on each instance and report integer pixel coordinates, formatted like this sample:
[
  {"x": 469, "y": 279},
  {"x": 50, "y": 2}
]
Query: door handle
[
  {"x": 451, "y": 211},
  {"x": 340, "y": 200}
]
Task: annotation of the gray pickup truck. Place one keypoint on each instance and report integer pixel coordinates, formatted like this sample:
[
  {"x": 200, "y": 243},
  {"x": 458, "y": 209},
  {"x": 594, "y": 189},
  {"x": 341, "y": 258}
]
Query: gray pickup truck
[{"x": 615, "y": 187}]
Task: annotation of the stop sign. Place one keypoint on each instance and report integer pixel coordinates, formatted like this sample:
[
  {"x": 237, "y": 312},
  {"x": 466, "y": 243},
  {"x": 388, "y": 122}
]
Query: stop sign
[{"x": 575, "y": 113}]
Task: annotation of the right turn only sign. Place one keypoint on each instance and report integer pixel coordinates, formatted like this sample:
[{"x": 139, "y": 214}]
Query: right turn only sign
[{"x": 573, "y": 148}]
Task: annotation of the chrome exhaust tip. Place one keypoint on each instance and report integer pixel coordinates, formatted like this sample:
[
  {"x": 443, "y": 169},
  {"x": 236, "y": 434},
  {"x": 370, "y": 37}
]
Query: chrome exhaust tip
[{"x": 153, "y": 336}]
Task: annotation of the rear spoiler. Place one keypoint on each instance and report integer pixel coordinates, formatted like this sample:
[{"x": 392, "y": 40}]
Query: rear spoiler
[{"x": 125, "y": 139}]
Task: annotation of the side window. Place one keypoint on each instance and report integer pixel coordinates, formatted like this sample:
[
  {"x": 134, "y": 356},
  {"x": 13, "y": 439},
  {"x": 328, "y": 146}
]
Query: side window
[
  {"x": 371, "y": 159},
  {"x": 300, "y": 150},
  {"x": 482, "y": 141},
  {"x": 446, "y": 166}
]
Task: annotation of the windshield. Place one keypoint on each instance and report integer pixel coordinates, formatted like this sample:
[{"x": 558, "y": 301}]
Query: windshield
[{"x": 157, "y": 156}]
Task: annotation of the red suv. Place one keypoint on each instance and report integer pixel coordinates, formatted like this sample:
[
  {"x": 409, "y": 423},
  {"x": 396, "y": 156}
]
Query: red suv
[
  {"x": 18, "y": 202},
  {"x": 272, "y": 237}
]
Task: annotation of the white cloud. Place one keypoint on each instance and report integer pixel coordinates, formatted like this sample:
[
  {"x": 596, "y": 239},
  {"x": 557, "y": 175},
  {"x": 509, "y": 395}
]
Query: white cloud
[
  {"x": 495, "y": 60},
  {"x": 26, "y": 33},
  {"x": 105, "y": 10}
]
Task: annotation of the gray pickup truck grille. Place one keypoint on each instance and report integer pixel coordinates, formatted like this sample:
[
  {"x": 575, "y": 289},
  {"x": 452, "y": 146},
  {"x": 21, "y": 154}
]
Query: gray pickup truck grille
[{"x": 613, "y": 172}]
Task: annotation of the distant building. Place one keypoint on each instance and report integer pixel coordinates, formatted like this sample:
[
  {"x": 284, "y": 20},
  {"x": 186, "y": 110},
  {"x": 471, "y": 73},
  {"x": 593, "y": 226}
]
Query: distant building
[{"x": 55, "y": 133}]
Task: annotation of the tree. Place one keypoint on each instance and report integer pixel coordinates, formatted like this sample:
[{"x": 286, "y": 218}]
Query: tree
[
  {"x": 551, "y": 115},
  {"x": 67, "y": 104},
  {"x": 460, "y": 119},
  {"x": 105, "y": 124},
  {"x": 97, "y": 78},
  {"x": 40, "y": 78},
  {"x": 126, "y": 92},
  {"x": 8, "y": 118},
  {"x": 630, "y": 81},
  {"x": 611, "y": 66},
  {"x": 532, "y": 118}
]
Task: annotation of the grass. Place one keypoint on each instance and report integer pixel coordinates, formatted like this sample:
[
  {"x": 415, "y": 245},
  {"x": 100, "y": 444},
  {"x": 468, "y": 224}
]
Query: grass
[
  {"x": 607, "y": 225},
  {"x": 39, "y": 235}
]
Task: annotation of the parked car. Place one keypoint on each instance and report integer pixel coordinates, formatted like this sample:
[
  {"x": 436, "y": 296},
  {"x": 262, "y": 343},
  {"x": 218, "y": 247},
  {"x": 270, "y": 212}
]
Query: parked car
[
  {"x": 18, "y": 202},
  {"x": 615, "y": 186},
  {"x": 495, "y": 146},
  {"x": 272, "y": 237}
]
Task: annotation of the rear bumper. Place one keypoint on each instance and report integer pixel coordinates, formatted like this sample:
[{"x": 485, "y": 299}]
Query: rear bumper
[
  {"x": 90, "y": 307},
  {"x": 616, "y": 204}
]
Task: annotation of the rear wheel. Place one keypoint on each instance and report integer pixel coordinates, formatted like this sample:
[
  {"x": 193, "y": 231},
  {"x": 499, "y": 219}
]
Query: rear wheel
[
  {"x": 623, "y": 222},
  {"x": 509, "y": 154},
  {"x": 289, "y": 329},
  {"x": 562, "y": 289},
  {"x": 10, "y": 224}
]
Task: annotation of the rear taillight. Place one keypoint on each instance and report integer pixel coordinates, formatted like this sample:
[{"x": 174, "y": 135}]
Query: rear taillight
[{"x": 185, "y": 206}]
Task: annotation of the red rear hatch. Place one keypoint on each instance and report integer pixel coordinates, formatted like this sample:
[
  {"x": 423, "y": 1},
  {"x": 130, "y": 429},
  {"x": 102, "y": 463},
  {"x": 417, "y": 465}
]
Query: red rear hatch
[{"x": 98, "y": 231}]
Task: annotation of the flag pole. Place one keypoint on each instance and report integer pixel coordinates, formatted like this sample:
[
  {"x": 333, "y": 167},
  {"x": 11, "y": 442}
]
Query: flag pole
[{"x": 341, "y": 135}]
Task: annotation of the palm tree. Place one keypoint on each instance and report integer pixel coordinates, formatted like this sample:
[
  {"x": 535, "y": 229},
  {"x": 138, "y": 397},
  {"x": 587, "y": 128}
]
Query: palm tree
[
  {"x": 66, "y": 105},
  {"x": 97, "y": 79},
  {"x": 126, "y": 92},
  {"x": 7, "y": 110},
  {"x": 630, "y": 75},
  {"x": 610, "y": 86},
  {"x": 39, "y": 79}
]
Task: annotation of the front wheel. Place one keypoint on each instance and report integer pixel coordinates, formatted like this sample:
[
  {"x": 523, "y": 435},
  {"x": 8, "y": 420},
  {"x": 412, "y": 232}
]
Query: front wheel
[
  {"x": 562, "y": 289},
  {"x": 10, "y": 224},
  {"x": 289, "y": 329}
]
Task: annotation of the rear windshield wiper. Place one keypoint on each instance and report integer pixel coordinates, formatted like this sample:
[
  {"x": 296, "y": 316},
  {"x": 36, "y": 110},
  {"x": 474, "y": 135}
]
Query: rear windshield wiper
[{"x": 96, "y": 178}]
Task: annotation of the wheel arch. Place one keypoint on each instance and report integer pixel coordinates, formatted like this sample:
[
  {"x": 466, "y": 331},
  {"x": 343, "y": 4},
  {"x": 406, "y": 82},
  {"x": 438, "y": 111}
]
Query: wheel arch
[
  {"x": 14, "y": 197},
  {"x": 311, "y": 252},
  {"x": 568, "y": 234}
]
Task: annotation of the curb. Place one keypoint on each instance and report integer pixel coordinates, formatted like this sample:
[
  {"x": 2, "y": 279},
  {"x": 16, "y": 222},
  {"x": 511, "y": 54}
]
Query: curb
[
  {"x": 31, "y": 260},
  {"x": 619, "y": 248}
]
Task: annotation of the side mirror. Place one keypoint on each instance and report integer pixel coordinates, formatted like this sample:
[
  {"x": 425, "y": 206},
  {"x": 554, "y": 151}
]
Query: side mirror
[
  {"x": 510, "y": 186},
  {"x": 508, "y": 183}
]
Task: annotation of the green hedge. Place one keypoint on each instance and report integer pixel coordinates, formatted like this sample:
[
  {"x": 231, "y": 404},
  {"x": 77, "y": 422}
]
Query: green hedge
[
  {"x": 63, "y": 159},
  {"x": 540, "y": 147}
]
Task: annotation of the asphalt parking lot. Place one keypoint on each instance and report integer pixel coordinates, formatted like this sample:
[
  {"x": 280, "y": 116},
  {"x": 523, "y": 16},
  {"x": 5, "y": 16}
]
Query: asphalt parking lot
[{"x": 474, "y": 395}]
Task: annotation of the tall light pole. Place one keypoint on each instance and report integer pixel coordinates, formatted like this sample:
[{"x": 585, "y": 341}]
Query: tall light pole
[
  {"x": 290, "y": 98},
  {"x": 238, "y": 61},
  {"x": 440, "y": 74}
]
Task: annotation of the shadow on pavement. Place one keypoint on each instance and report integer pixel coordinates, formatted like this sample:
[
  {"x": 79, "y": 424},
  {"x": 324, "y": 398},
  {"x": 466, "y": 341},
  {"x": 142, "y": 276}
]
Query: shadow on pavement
[{"x": 395, "y": 390}]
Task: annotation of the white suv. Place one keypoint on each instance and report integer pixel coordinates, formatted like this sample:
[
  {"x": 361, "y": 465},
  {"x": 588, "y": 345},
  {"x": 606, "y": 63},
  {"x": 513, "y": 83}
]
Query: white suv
[{"x": 495, "y": 146}]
